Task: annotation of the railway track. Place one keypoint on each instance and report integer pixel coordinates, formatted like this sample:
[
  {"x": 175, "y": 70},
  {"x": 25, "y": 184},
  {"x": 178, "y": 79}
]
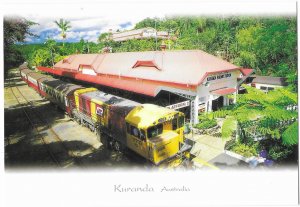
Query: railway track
[
  {"x": 35, "y": 127},
  {"x": 36, "y": 121}
]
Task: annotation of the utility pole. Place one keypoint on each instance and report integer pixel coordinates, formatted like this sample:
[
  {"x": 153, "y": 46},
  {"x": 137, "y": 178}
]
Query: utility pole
[
  {"x": 155, "y": 34},
  {"x": 52, "y": 58},
  {"x": 170, "y": 31}
]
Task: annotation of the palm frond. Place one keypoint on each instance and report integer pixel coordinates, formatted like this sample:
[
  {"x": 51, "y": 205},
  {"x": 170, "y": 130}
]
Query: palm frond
[
  {"x": 290, "y": 135},
  {"x": 228, "y": 127}
]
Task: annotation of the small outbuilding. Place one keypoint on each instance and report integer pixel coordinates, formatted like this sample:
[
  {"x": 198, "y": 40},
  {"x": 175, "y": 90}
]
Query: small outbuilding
[{"x": 268, "y": 83}]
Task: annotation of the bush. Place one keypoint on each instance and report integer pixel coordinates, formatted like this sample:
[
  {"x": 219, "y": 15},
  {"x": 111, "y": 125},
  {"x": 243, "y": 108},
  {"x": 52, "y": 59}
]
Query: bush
[
  {"x": 244, "y": 150},
  {"x": 278, "y": 152},
  {"x": 206, "y": 124},
  {"x": 220, "y": 113}
]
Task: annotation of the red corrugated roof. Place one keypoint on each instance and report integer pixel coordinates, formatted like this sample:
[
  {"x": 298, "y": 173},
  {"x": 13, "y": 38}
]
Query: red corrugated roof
[
  {"x": 138, "y": 86},
  {"x": 224, "y": 91},
  {"x": 137, "y": 71},
  {"x": 246, "y": 71},
  {"x": 185, "y": 67}
]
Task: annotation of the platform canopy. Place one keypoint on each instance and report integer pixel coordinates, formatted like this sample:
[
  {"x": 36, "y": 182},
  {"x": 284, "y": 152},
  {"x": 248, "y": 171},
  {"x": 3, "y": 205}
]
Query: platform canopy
[
  {"x": 145, "y": 72},
  {"x": 223, "y": 91}
]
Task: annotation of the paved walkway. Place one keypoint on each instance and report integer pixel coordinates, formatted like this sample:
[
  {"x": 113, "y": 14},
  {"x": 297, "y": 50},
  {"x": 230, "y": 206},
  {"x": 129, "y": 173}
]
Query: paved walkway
[{"x": 206, "y": 148}]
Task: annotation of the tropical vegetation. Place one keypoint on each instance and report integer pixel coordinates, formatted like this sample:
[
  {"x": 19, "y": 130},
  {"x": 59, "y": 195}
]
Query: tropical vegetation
[
  {"x": 262, "y": 116},
  {"x": 14, "y": 30}
]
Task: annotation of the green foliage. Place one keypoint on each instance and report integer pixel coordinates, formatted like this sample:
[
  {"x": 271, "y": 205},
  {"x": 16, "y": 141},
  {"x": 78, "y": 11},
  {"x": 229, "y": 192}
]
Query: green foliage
[
  {"x": 42, "y": 57},
  {"x": 279, "y": 152},
  {"x": 103, "y": 37},
  {"x": 220, "y": 113},
  {"x": 264, "y": 114},
  {"x": 15, "y": 30},
  {"x": 58, "y": 58},
  {"x": 229, "y": 126},
  {"x": 205, "y": 116},
  {"x": 290, "y": 135},
  {"x": 206, "y": 124},
  {"x": 245, "y": 150}
]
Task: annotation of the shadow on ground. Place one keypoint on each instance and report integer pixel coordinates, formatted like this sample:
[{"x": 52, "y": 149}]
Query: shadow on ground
[
  {"x": 16, "y": 121},
  {"x": 27, "y": 153}
]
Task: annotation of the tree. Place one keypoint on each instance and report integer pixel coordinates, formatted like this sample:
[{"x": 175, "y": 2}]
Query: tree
[
  {"x": 51, "y": 46},
  {"x": 148, "y": 22},
  {"x": 42, "y": 57},
  {"x": 260, "y": 115},
  {"x": 64, "y": 25},
  {"x": 257, "y": 113},
  {"x": 104, "y": 37},
  {"x": 16, "y": 29}
]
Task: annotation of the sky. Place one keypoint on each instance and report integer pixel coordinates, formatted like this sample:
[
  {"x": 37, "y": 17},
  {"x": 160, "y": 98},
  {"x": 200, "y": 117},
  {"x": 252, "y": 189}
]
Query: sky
[
  {"x": 87, "y": 28},
  {"x": 88, "y": 21}
]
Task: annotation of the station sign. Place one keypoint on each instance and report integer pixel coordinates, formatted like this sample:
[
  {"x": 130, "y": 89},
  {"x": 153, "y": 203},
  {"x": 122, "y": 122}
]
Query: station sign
[
  {"x": 217, "y": 77},
  {"x": 179, "y": 105}
]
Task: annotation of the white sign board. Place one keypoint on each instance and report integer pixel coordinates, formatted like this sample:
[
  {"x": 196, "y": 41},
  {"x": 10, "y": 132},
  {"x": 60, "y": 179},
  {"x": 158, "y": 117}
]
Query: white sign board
[
  {"x": 179, "y": 105},
  {"x": 219, "y": 76}
]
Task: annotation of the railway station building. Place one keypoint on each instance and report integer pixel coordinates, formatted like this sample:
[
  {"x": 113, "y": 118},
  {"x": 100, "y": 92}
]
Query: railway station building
[{"x": 203, "y": 80}]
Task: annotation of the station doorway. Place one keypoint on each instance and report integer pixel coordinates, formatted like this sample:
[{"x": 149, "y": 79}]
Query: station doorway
[{"x": 217, "y": 103}]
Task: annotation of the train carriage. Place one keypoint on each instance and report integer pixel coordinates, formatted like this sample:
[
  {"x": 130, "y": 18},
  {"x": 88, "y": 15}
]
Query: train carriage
[
  {"x": 23, "y": 74},
  {"x": 60, "y": 93},
  {"x": 41, "y": 84},
  {"x": 33, "y": 80}
]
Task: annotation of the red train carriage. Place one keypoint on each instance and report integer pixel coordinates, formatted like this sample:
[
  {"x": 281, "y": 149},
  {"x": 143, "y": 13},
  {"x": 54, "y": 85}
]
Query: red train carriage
[
  {"x": 33, "y": 80},
  {"x": 23, "y": 74},
  {"x": 60, "y": 93}
]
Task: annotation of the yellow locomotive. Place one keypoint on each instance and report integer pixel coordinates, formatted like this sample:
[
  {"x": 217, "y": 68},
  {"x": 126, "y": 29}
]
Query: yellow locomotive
[{"x": 153, "y": 132}]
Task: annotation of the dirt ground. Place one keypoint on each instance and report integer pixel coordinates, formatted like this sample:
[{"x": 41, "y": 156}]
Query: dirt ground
[{"x": 71, "y": 145}]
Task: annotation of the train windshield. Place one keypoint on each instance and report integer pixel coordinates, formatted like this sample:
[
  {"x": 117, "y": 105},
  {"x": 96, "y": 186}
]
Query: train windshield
[
  {"x": 155, "y": 131},
  {"x": 180, "y": 121},
  {"x": 177, "y": 123}
]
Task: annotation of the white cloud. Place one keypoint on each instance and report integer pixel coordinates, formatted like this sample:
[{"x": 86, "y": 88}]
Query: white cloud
[
  {"x": 91, "y": 36},
  {"x": 88, "y": 27}
]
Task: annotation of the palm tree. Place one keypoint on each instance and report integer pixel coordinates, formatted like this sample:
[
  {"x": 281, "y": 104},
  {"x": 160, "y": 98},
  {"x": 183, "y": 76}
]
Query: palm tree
[{"x": 64, "y": 25}]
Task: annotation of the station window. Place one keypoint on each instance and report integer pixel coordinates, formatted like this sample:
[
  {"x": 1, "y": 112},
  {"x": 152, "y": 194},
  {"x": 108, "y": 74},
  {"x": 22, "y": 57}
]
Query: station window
[{"x": 155, "y": 130}]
